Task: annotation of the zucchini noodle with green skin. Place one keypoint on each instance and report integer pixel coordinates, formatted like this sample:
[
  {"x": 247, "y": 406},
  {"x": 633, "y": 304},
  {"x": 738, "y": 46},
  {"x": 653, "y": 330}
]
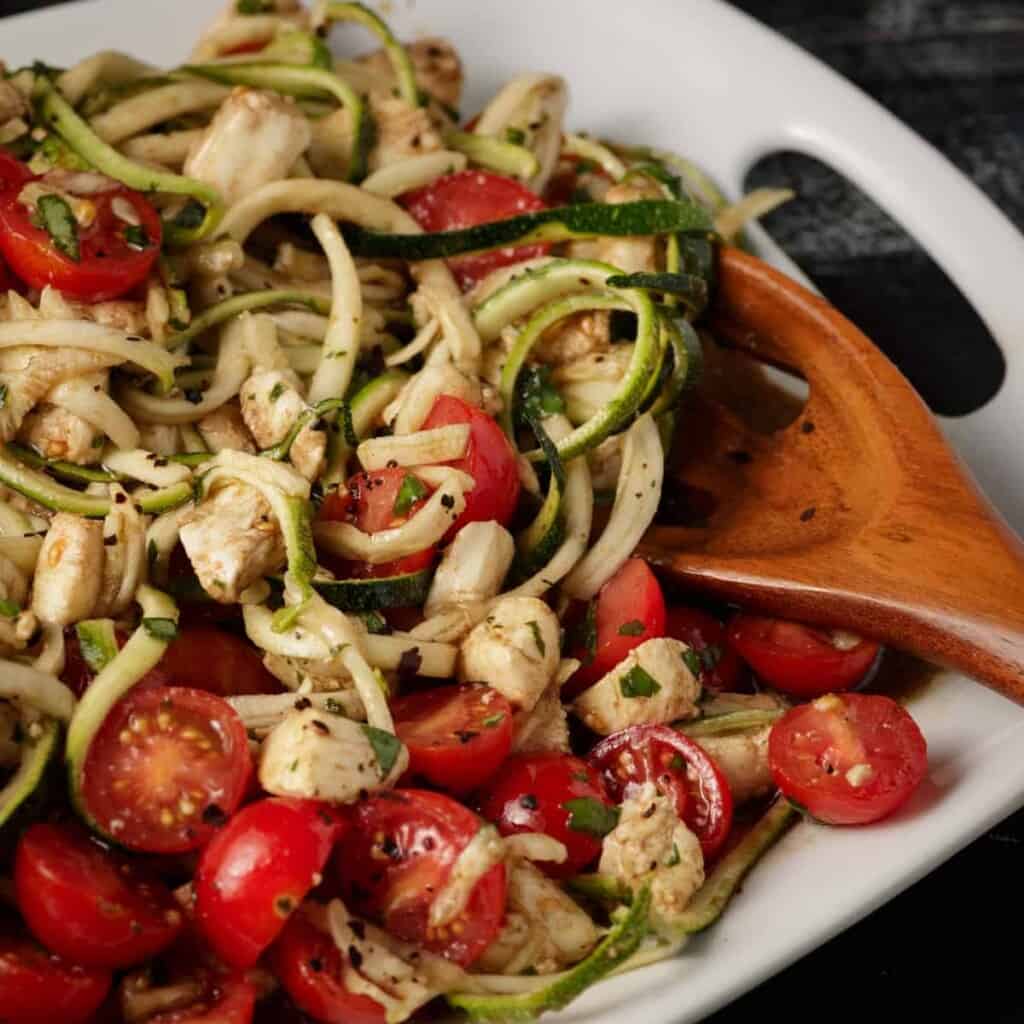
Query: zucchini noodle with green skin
[{"x": 344, "y": 378}]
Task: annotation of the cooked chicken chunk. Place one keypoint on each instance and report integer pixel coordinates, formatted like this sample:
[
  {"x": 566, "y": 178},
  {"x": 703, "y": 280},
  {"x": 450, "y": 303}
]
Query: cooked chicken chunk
[
  {"x": 402, "y": 131},
  {"x": 582, "y": 334},
  {"x": 58, "y": 434},
  {"x": 270, "y": 406},
  {"x": 545, "y": 728},
  {"x": 225, "y": 428},
  {"x": 232, "y": 540},
  {"x": 437, "y": 65},
  {"x": 159, "y": 438},
  {"x": 472, "y": 568},
  {"x": 650, "y": 686},
  {"x": 634, "y": 253},
  {"x": 12, "y": 103},
  {"x": 254, "y": 139},
  {"x": 69, "y": 571},
  {"x": 743, "y": 758}
]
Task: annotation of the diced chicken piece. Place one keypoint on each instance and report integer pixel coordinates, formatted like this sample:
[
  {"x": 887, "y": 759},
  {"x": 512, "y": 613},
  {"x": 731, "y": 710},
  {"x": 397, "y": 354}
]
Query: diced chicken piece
[
  {"x": 544, "y": 928},
  {"x": 743, "y": 759},
  {"x": 58, "y": 434},
  {"x": 16, "y": 633},
  {"x": 28, "y": 373},
  {"x": 437, "y": 65},
  {"x": 312, "y": 676},
  {"x": 321, "y": 756},
  {"x": 650, "y": 686},
  {"x": 270, "y": 407},
  {"x": 232, "y": 540},
  {"x": 650, "y": 844},
  {"x": 545, "y": 728},
  {"x": 402, "y": 131},
  {"x": 13, "y": 583},
  {"x": 225, "y": 428},
  {"x": 515, "y": 650},
  {"x": 472, "y": 568},
  {"x": 69, "y": 571},
  {"x": 582, "y": 334},
  {"x": 12, "y": 103},
  {"x": 159, "y": 438},
  {"x": 634, "y": 253},
  {"x": 254, "y": 139}
]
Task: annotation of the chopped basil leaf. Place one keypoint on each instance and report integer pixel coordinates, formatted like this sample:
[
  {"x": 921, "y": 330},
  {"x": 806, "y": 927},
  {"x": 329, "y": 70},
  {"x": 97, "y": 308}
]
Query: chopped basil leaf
[
  {"x": 537, "y": 638},
  {"x": 632, "y": 628},
  {"x": 60, "y": 225},
  {"x": 161, "y": 629},
  {"x": 3, "y": 395},
  {"x": 638, "y": 683},
  {"x": 409, "y": 493},
  {"x": 375, "y": 622},
  {"x": 9, "y": 609},
  {"x": 492, "y": 720},
  {"x": 538, "y": 396},
  {"x": 710, "y": 656},
  {"x": 589, "y": 815},
  {"x": 385, "y": 745},
  {"x": 515, "y": 135},
  {"x": 334, "y": 706},
  {"x": 135, "y": 235},
  {"x": 190, "y": 216},
  {"x": 585, "y": 166},
  {"x": 691, "y": 659},
  {"x": 675, "y": 858},
  {"x": 677, "y": 763},
  {"x": 253, "y": 6},
  {"x": 585, "y": 633},
  {"x": 276, "y": 391}
]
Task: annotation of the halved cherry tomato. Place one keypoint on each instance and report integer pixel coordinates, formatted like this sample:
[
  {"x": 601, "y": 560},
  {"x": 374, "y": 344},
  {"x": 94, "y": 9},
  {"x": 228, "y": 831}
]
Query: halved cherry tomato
[
  {"x": 309, "y": 966},
  {"x": 223, "y": 997},
  {"x": 720, "y": 665},
  {"x": 564, "y": 182},
  {"x": 114, "y": 255},
  {"x": 90, "y": 905},
  {"x": 257, "y": 870},
  {"x": 37, "y": 987},
  {"x": 800, "y": 660},
  {"x": 13, "y": 173},
  {"x": 368, "y": 502},
  {"x": 848, "y": 759},
  {"x": 457, "y": 736},
  {"x": 468, "y": 198},
  {"x": 490, "y": 460},
  {"x": 557, "y": 794},
  {"x": 628, "y": 610},
  {"x": 398, "y": 856},
  {"x": 6, "y": 280},
  {"x": 166, "y": 768},
  {"x": 679, "y": 769}
]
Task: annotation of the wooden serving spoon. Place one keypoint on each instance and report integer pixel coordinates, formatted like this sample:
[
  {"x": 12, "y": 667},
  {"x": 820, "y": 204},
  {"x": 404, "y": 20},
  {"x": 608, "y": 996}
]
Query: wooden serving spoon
[{"x": 856, "y": 515}]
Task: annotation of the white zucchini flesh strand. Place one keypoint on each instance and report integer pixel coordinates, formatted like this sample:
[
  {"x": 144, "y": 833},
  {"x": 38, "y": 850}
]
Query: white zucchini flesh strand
[
  {"x": 13, "y": 523},
  {"x": 262, "y": 711},
  {"x": 424, "y": 447},
  {"x": 424, "y": 338},
  {"x": 415, "y": 172},
  {"x": 28, "y": 686},
  {"x": 148, "y": 467},
  {"x": 21, "y": 551},
  {"x": 536, "y": 846},
  {"x": 483, "y": 852},
  {"x": 636, "y": 501},
  {"x": 98, "y": 409}
]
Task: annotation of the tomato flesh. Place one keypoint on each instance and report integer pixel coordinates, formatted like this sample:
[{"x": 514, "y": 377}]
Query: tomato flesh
[
  {"x": 13, "y": 173},
  {"x": 679, "y": 769},
  {"x": 309, "y": 965},
  {"x": 535, "y": 793},
  {"x": 797, "y": 659},
  {"x": 490, "y": 460},
  {"x": 457, "y": 736},
  {"x": 468, "y": 198},
  {"x": 211, "y": 659},
  {"x": 257, "y": 870},
  {"x": 720, "y": 665},
  {"x": 108, "y": 264},
  {"x": 88, "y": 904},
  {"x": 399, "y": 853},
  {"x": 629, "y": 609},
  {"x": 167, "y": 766},
  {"x": 848, "y": 759}
]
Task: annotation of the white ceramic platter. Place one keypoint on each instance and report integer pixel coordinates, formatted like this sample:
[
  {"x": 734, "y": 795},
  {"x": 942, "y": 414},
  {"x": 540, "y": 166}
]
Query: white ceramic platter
[{"x": 698, "y": 77}]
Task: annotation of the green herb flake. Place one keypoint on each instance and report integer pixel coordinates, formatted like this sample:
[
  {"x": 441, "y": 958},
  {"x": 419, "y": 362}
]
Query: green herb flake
[
  {"x": 677, "y": 763},
  {"x": 691, "y": 659},
  {"x": 537, "y": 638},
  {"x": 3, "y": 395},
  {"x": 585, "y": 633},
  {"x": 190, "y": 216},
  {"x": 334, "y": 706},
  {"x": 56, "y": 217},
  {"x": 386, "y": 747},
  {"x": 586, "y": 166},
  {"x": 515, "y": 135},
  {"x": 253, "y": 6},
  {"x": 538, "y": 395},
  {"x": 632, "y": 628},
  {"x": 492, "y": 720},
  {"x": 375, "y": 622},
  {"x": 591, "y": 816},
  {"x": 675, "y": 858},
  {"x": 9, "y": 609},
  {"x": 136, "y": 237},
  {"x": 151, "y": 554},
  {"x": 638, "y": 683},
  {"x": 276, "y": 391},
  {"x": 97, "y": 441},
  {"x": 161, "y": 629},
  {"x": 411, "y": 491}
]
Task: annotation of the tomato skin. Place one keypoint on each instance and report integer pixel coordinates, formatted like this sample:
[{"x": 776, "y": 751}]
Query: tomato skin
[
  {"x": 529, "y": 795},
  {"x": 630, "y": 600},
  {"x": 192, "y": 763},
  {"x": 309, "y": 966},
  {"x": 489, "y": 459},
  {"x": 468, "y": 198},
  {"x": 211, "y": 659},
  {"x": 89, "y": 905},
  {"x": 37, "y": 987},
  {"x": 813, "y": 747},
  {"x": 679, "y": 769},
  {"x": 798, "y": 659},
  {"x": 13, "y": 173},
  {"x": 451, "y": 737},
  {"x": 259, "y": 868},
  {"x": 108, "y": 266},
  {"x": 6, "y": 280},
  {"x": 399, "y": 852},
  {"x": 227, "y": 999},
  {"x": 703, "y": 632}
]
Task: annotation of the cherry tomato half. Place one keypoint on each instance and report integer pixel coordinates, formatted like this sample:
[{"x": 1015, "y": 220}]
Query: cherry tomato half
[
  {"x": 800, "y": 660},
  {"x": 720, "y": 665},
  {"x": 114, "y": 254},
  {"x": 490, "y": 460},
  {"x": 678, "y": 768},
  {"x": 848, "y": 759},
  {"x": 628, "y": 610},
  {"x": 370, "y": 501},
  {"x": 166, "y": 768},
  {"x": 222, "y": 997},
  {"x": 468, "y": 198},
  {"x": 90, "y": 905},
  {"x": 6, "y": 280},
  {"x": 309, "y": 965},
  {"x": 556, "y": 794},
  {"x": 457, "y": 736},
  {"x": 257, "y": 870},
  {"x": 13, "y": 173},
  {"x": 399, "y": 854}
]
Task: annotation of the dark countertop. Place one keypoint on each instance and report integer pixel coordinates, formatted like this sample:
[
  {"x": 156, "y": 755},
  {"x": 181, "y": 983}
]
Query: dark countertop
[{"x": 955, "y": 72}]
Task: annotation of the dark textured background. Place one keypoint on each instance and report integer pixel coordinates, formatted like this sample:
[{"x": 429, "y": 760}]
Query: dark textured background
[{"x": 955, "y": 72}]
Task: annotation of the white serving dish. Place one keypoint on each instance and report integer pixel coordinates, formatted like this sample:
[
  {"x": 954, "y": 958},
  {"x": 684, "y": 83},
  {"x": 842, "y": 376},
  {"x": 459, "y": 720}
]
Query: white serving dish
[{"x": 703, "y": 79}]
